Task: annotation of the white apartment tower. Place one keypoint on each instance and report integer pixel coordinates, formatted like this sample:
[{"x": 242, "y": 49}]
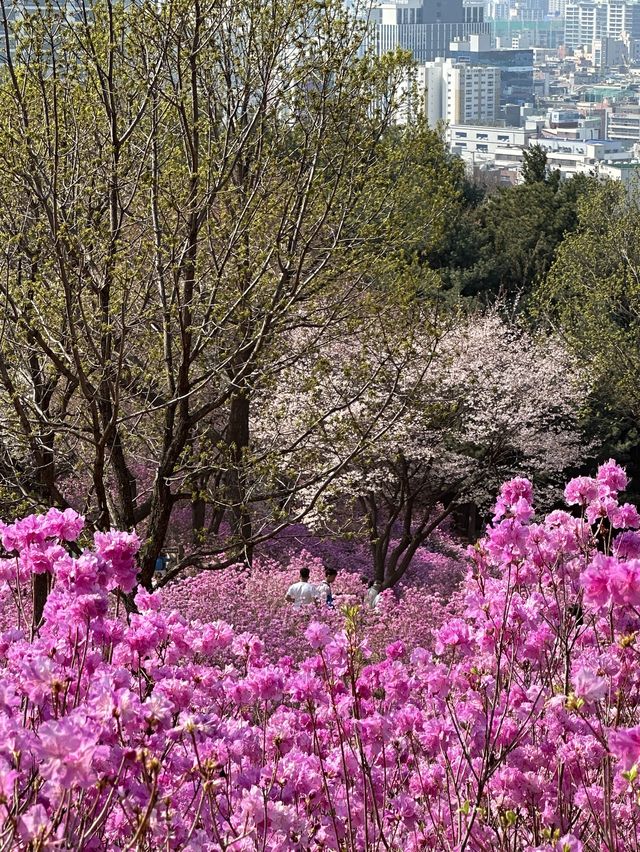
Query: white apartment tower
[
  {"x": 458, "y": 92},
  {"x": 622, "y": 17},
  {"x": 586, "y": 20}
]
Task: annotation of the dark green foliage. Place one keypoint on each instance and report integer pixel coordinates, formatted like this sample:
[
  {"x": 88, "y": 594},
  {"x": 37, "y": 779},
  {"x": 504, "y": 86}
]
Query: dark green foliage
[
  {"x": 592, "y": 295},
  {"x": 535, "y": 168},
  {"x": 503, "y": 245}
]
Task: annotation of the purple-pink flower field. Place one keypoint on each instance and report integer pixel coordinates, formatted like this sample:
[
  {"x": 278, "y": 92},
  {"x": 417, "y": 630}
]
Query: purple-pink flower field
[{"x": 504, "y": 716}]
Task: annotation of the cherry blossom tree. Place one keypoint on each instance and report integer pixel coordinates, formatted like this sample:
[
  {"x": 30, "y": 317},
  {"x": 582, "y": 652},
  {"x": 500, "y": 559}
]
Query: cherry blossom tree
[{"x": 421, "y": 423}]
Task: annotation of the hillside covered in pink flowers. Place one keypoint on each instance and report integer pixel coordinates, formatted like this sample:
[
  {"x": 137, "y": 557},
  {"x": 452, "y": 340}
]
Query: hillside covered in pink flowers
[{"x": 505, "y": 716}]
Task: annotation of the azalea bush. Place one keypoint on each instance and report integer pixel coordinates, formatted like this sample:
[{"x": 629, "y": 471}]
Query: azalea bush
[{"x": 519, "y": 729}]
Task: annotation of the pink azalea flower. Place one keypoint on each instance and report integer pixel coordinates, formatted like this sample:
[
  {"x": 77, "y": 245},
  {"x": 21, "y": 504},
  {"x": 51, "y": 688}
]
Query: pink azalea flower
[
  {"x": 589, "y": 686},
  {"x": 612, "y": 477},
  {"x": 595, "y": 580},
  {"x": 625, "y": 745},
  {"x": 34, "y": 823},
  {"x": 318, "y": 635},
  {"x": 626, "y": 517},
  {"x": 66, "y": 525},
  {"x": 211, "y": 709},
  {"x": 455, "y": 634},
  {"x": 581, "y": 491},
  {"x": 67, "y": 747},
  {"x": 626, "y": 545},
  {"x": 569, "y": 843},
  {"x": 624, "y": 582}
]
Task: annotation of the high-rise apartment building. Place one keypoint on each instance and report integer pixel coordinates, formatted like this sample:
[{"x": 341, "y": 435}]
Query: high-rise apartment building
[
  {"x": 586, "y": 20},
  {"x": 530, "y": 10},
  {"x": 517, "y": 10},
  {"x": 458, "y": 93},
  {"x": 425, "y": 27},
  {"x": 498, "y": 10},
  {"x": 558, "y": 8},
  {"x": 623, "y": 17}
]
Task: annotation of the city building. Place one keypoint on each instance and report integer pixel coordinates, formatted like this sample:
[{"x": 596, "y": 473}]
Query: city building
[
  {"x": 457, "y": 92},
  {"x": 529, "y": 10},
  {"x": 628, "y": 173},
  {"x": 518, "y": 10},
  {"x": 575, "y": 156},
  {"x": 587, "y": 20},
  {"x": 608, "y": 52},
  {"x": 516, "y": 66},
  {"x": 632, "y": 46},
  {"x": 570, "y": 142},
  {"x": 548, "y": 32},
  {"x": 425, "y": 27},
  {"x": 498, "y": 10},
  {"x": 584, "y": 21},
  {"x": 503, "y": 144},
  {"x": 623, "y": 123},
  {"x": 491, "y": 150},
  {"x": 623, "y": 17},
  {"x": 557, "y": 8}
]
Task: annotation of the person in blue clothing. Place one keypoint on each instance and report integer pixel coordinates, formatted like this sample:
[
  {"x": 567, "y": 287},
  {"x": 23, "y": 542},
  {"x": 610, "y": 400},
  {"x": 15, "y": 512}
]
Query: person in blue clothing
[{"x": 324, "y": 591}]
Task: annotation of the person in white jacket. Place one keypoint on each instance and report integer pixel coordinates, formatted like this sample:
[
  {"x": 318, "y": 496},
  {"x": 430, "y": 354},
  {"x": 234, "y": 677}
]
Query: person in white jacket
[
  {"x": 372, "y": 595},
  {"x": 303, "y": 592}
]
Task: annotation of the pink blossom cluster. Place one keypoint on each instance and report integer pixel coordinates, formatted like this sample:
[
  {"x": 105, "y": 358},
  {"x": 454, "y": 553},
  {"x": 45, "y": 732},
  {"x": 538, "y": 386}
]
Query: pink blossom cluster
[{"x": 517, "y": 729}]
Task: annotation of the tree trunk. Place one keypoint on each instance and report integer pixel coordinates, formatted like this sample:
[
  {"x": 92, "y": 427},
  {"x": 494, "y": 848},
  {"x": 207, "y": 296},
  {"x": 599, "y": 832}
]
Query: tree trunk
[
  {"x": 472, "y": 522},
  {"x": 40, "y": 586},
  {"x": 238, "y": 441},
  {"x": 379, "y": 565},
  {"x": 158, "y": 525}
]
